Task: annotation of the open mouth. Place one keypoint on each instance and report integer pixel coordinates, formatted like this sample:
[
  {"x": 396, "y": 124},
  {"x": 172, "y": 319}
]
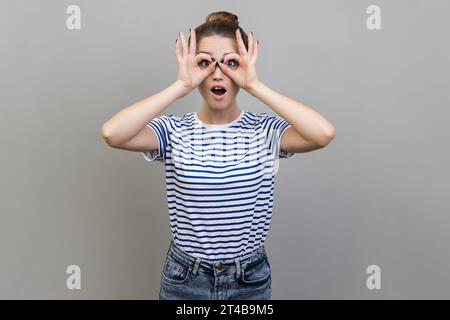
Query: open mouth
[{"x": 218, "y": 90}]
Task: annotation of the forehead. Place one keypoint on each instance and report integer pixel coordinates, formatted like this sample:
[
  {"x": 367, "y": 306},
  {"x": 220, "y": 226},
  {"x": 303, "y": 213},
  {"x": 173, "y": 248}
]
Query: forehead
[{"x": 217, "y": 45}]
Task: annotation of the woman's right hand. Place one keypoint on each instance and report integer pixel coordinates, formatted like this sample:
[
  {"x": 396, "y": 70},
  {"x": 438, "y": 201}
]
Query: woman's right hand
[{"x": 192, "y": 71}]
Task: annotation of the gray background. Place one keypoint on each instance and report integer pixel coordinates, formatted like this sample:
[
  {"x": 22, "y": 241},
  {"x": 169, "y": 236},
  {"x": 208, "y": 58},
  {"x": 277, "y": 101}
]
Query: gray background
[{"x": 378, "y": 194}]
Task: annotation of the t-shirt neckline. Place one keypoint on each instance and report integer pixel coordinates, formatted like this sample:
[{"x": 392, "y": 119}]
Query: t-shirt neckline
[{"x": 221, "y": 125}]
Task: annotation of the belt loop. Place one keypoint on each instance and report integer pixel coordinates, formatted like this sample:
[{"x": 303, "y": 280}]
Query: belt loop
[
  {"x": 196, "y": 265},
  {"x": 238, "y": 267}
]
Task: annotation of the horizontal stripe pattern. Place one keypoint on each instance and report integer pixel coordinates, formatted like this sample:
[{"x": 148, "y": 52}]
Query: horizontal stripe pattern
[{"x": 219, "y": 180}]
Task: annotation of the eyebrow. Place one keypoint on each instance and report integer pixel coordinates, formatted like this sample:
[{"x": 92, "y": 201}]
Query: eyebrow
[{"x": 211, "y": 53}]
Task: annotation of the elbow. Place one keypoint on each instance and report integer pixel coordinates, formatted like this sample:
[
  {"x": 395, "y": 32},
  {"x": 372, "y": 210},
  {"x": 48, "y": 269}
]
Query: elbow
[
  {"x": 331, "y": 134},
  {"x": 328, "y": 137},
  {"x": 107, "y": 135}
]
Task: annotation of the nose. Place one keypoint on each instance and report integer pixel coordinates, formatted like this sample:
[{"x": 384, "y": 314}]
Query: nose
[{"x": 218, "y": 73}]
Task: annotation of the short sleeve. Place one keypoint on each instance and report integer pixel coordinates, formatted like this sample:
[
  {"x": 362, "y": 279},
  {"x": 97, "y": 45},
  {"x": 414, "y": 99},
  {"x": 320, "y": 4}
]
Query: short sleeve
[
  {"x": 162, "y": 127},
  {"x": 274, "y": 128}
]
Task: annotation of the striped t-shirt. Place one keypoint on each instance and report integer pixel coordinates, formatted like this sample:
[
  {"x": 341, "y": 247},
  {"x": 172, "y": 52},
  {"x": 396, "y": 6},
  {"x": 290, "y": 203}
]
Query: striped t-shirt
[{"x": 219, "y": 180}]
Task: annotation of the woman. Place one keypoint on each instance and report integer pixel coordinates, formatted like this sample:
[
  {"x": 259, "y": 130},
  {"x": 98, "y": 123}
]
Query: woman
[{"x": 220, "y": 162}]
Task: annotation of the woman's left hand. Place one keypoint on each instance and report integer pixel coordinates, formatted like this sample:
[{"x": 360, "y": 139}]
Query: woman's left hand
[{"x": 245, "y": 73}]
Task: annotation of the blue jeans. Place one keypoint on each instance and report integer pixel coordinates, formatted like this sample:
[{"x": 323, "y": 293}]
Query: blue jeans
[{"x": 185, "y": 277}]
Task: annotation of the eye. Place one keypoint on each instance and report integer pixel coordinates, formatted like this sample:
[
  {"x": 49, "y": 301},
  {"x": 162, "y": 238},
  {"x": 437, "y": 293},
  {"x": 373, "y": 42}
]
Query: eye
[
  {"x": 234, "y": 65},
  {"x": 204, "y": 65}
]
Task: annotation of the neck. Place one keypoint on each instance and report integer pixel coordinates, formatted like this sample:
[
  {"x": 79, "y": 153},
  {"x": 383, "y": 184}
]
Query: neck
[{"x": 212, "y": 116}]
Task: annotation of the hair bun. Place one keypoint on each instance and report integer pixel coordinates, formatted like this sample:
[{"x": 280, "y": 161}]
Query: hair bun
[{"x": 223, "y": 17}]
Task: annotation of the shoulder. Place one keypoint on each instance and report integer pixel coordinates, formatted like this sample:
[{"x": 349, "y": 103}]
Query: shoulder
[
  {"x": 263, "y": 119},
  {"x": 177, "y": 120},
  {"x": 254, "y": 118}
]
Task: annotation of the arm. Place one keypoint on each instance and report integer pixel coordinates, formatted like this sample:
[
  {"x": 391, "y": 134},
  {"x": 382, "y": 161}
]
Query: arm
[
  {"x": 130, "y": 121},
  {"x": 309, "y": 129},
  {"x": 312, "y": 130}
]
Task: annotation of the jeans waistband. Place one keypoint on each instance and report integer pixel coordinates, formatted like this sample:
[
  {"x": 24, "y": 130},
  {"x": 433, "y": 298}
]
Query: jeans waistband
[{"x": 216, "y": 267}]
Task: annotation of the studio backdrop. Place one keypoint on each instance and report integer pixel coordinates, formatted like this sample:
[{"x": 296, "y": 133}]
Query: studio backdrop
[{"x": 367, "y": 217}]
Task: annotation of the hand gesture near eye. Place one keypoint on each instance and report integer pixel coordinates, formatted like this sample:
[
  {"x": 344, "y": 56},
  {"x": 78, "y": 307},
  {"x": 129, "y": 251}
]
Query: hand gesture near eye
[
  {"x": 244, "y": 74},
  {"x": 191, "y": 73}
]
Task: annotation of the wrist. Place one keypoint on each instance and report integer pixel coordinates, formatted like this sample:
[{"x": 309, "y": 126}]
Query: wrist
[
  {"x": 180, "y": 88},
  {"x": 255, "y": 87}
]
